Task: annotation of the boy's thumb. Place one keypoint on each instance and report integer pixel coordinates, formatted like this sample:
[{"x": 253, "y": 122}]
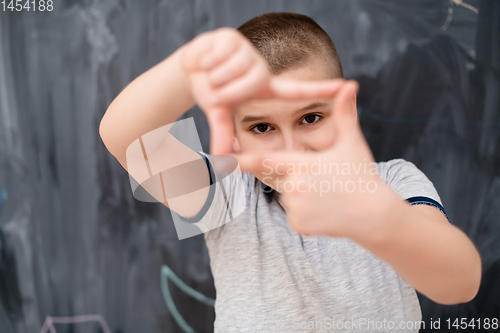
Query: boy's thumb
[
  {"x": 344, "y": 110},
  {"x": 248, "y": 162}
]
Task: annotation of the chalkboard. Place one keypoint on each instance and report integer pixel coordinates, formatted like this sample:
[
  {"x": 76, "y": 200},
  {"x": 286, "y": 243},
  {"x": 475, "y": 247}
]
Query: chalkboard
[{"x": 79, "y": 254}]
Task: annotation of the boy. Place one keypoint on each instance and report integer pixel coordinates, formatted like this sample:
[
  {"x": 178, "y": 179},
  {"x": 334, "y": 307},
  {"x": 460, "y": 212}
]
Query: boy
[{"x": 300, "y": 257}]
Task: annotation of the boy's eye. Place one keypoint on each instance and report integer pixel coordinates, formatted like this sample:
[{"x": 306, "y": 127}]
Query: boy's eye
[
  {"x": 310, "y": 119},
  {"x": 261, "y": 128}
]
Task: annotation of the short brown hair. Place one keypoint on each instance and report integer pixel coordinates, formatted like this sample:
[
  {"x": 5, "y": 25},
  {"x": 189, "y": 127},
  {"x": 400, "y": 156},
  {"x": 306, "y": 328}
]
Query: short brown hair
[{"x": 288, "y": 40}]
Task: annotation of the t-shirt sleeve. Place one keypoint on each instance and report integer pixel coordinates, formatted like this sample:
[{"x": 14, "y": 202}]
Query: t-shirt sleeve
[
  {"x": 225, "y": 201},
  {"x": 410, "y": 183}
]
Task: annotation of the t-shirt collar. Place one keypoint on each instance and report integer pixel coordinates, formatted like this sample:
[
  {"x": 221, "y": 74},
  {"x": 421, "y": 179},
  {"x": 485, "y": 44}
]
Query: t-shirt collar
[{"x": 268, "y": 192}]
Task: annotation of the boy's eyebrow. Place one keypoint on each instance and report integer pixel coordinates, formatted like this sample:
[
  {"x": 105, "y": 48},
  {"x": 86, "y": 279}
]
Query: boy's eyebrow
[
  {"x": 247, "y": 119},
  {"x": 309, "y": 107}
]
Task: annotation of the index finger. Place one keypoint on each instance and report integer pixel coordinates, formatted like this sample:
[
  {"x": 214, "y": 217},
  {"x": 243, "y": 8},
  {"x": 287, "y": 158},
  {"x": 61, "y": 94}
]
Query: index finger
[
  {"x": 221, "y": 127},
  {"x": 296, "y": 90}
]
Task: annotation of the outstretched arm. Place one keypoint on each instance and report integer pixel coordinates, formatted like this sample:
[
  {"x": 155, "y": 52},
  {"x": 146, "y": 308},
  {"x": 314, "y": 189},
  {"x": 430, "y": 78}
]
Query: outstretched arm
[{"x": 432, "y": 255}]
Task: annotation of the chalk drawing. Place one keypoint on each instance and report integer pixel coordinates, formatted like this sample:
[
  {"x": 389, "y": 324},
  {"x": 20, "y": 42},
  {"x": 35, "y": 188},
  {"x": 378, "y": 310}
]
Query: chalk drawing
[
  {"x": 450, "y": 11},
  {"x": 166, "y": 274},
  {"x": 48, "y": 325}
]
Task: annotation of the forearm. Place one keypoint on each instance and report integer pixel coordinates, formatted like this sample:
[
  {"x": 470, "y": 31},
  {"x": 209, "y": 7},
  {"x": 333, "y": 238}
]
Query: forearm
[
  {"x": 156, "y": 98},
  {"x": 184, "y": 181},
  {"x": 435, "y": 257}
]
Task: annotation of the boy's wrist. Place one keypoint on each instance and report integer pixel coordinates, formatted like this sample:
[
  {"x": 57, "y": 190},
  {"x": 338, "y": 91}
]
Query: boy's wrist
[
  {"x": 184, "y": 76},
  {"x": 387, "y": 209}
]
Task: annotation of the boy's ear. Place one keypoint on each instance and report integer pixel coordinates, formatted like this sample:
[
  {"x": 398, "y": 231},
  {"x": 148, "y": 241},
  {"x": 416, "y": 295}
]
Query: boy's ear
[
  {"x": 236, "y": 145},
  {"x": 355, "y": 108}
]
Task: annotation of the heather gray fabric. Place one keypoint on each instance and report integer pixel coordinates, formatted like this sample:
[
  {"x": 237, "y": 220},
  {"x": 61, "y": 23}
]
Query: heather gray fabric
[{"x": 268, "y": 278}]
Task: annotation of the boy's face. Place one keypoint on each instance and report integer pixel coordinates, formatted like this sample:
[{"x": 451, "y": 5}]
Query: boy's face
[{"x": 277, "y": 125}]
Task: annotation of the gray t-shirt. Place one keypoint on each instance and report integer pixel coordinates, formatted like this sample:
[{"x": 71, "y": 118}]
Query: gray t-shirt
[{"x": 268, "y": 278}]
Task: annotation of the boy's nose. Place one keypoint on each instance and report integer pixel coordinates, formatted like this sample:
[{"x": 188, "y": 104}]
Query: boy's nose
[{"x": 293, "y": 143}]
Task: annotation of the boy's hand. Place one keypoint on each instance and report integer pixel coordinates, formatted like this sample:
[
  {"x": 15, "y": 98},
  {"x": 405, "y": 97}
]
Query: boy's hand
[
  {"x": 335, "y": 192},
  {"x": 224, "y": 69}
]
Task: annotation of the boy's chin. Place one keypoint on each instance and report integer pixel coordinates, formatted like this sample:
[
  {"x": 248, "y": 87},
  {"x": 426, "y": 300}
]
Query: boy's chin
[{"x": 269, "y": 186}]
